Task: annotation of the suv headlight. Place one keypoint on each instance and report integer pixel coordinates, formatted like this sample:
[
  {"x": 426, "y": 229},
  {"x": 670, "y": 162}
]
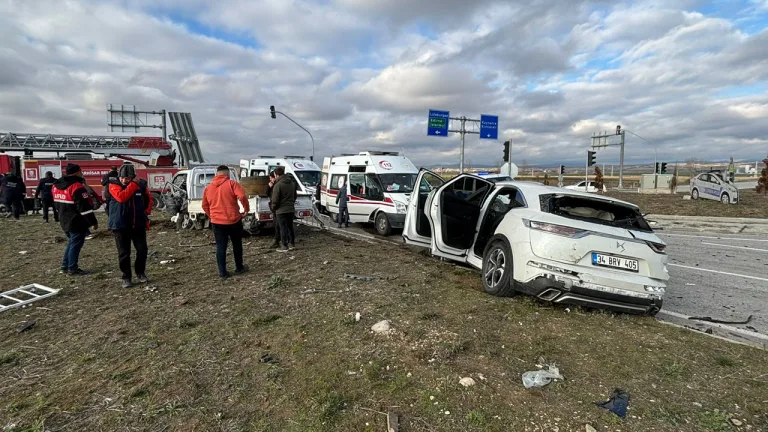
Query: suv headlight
[{"x": 399, "y": 207}]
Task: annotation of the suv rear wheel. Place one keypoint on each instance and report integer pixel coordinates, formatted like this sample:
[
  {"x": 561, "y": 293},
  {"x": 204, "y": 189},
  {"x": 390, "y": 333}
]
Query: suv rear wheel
[
  {"x": 695, "y": 194},
  {"x": 725, "y": 199},
  {"x": 497, "y": 269}
]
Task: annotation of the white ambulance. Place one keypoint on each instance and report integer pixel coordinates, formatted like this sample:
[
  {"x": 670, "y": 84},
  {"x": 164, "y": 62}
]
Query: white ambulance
[
  {"x": 378, "y": 184},
  {"x": 305, "y": 172}
]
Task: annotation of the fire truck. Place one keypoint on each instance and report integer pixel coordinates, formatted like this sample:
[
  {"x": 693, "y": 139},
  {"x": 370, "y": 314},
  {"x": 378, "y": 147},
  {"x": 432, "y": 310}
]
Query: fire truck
[{"x": 153, "y": 157}]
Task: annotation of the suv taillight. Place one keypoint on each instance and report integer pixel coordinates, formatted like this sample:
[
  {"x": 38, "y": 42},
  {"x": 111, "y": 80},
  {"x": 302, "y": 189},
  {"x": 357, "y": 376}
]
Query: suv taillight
[{"x": 659, "y": 248}]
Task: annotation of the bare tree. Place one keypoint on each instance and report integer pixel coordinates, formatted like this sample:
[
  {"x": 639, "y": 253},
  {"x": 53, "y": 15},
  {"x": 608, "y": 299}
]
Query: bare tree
[
  {"x": 691, "y": 163},
  {"x": 598, "y": 179},
  {"x": 762, "y": 182},
  {"x": 673, "y": 182}
]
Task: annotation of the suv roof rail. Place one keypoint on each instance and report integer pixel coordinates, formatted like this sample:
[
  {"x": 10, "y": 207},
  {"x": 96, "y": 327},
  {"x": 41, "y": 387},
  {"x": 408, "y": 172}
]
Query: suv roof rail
[{"x": 379, "y": 153}]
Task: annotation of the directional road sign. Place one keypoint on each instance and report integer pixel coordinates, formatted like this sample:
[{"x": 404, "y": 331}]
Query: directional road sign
[
  {"x": 489, "y": 127},
  {"x": 438, "y": 123}
]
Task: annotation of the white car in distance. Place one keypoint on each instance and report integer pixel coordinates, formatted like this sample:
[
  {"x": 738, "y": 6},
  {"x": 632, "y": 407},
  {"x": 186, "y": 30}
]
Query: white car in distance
[
  {"x": 580, "y": 187},
  {"x": 557, "y": 245}
]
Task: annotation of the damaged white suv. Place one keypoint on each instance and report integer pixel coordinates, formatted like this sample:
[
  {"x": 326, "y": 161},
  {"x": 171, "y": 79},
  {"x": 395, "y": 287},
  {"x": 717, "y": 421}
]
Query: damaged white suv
[{"x": 557, "y": 245}]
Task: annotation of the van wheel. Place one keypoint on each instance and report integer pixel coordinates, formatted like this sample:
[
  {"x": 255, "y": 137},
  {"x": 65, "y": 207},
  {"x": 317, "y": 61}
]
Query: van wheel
[
  {"x": 497, "y": 269},
  {"x": 382, "y": 224},
  {"x": 695, "y": 194},
  {"x": 725, "y": 199}
]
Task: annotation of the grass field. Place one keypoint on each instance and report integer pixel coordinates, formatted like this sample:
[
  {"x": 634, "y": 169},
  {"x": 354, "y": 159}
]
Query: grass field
[{"x": 184, "y": 353}]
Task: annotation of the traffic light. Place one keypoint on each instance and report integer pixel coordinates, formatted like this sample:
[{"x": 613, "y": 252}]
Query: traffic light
[
  {"x": 506, "y": 151},
  {"x": 562, "y": 169},
  {"x": 272, "y": 110},
  {"x": 618, "y": 129},
  {"x": 663, "y": 167},
  {"x": 590, "y": 158},
  {"x": 657, "y": 168}
]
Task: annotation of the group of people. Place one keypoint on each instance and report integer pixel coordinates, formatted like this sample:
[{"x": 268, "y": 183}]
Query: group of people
[
  {"x": 12, "y": 192},
  {"x": 128, "y": 204}
]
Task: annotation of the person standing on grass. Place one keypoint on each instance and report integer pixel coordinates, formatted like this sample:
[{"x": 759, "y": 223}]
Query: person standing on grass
[
  {"x": 45, "y": 195},
  {"x": 272, "y": 181},
  {"x": 341, "y": 200},
  {"x": 129, "y": 220},
  {"x": 75, "y": 216},
  {"x": 220, "y": 203},
  {"x": 283, "y": 203},
  {"x": 14, "y": 190}
]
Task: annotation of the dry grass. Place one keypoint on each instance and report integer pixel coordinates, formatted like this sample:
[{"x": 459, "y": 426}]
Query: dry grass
[
  {"x": 751, "y": 205},
  {"x": 187, "y": 357}
]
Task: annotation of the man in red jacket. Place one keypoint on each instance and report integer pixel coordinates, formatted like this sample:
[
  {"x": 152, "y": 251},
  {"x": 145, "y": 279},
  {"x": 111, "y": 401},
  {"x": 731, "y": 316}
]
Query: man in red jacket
[
  {"x": 129, "y": 210},
  {"x": 220, "y": 203}
]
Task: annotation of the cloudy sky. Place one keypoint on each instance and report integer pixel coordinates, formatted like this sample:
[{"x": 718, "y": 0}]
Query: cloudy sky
[{"x": 689, "y": 76}]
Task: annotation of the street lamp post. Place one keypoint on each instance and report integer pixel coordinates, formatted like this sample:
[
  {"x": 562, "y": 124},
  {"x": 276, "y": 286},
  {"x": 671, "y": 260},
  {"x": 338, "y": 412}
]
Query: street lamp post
[{"x": 273, "y": 112}]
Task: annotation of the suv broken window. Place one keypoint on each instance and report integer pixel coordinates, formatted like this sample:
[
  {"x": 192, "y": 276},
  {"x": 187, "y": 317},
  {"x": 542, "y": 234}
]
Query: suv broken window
[{"x": 597, "y": 211}]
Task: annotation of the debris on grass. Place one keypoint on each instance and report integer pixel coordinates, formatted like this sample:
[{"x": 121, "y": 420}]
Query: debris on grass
[
  {"x": 357, "y": 316},
  {"x": 719, "y": 321},
  {"x": 267, "y": 358},
  {"x": 381, "y": 327},
  {"x": 26, "y": 326},
  {"x": 540, "y": 378},
  {"x": 617, "y": 404},
  {"x": 467, "y": 382},
  {"x": 164, "y": 262}
]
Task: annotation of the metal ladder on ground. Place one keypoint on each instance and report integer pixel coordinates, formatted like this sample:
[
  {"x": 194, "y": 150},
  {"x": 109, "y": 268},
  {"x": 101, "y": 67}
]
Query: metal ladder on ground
[{"x": 24, "y": 295}]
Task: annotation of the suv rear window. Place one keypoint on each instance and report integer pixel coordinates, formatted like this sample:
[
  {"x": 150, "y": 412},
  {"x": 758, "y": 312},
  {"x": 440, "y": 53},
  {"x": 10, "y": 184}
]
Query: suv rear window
[{"x": 595, "y": 211}]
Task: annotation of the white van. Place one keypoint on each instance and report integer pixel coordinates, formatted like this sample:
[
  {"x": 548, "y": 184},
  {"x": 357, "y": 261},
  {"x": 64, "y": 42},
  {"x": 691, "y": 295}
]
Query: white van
[
  {"x": 379, "y": 185},
  {"x": 305, "y": 172}
]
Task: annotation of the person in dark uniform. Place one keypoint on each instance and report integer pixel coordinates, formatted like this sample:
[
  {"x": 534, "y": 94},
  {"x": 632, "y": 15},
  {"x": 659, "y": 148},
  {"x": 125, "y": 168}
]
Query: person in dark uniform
[
  {"x": 341, "y": 200},
  {"x": 110, "y": 177},
  {"x": 272, "y": 181},
  {"x": 45, "y": 194},
  {"x": 75, "y": 216},
  {"x": 14, "y": 190},
  {"x": 129, "y": 220}
]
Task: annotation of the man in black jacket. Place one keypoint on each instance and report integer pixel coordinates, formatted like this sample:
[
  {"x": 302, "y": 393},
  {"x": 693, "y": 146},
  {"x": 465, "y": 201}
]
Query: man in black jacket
[
  {"x": 110, "y": 177},
  {"x": 283, "y": 203},
  {"x": 14, "y": 190},
  {"x": 45, "y": 195},
  {"x": 75, "y": 216}
]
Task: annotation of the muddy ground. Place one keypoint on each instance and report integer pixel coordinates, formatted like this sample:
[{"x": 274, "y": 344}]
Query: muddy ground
[{"x": 186, "y": 352}]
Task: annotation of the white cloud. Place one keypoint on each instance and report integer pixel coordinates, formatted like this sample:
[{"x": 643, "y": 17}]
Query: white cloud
[{"x": 363, "y": 74}]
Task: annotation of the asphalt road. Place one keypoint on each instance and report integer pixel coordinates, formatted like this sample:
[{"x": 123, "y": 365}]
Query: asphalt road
[{"x": 722, "y": 276}]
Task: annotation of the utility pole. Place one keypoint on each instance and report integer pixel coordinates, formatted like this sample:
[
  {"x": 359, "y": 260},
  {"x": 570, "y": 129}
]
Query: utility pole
[
  {"x": 475, "y": 123},
  {"x": 600, "y": 140}
]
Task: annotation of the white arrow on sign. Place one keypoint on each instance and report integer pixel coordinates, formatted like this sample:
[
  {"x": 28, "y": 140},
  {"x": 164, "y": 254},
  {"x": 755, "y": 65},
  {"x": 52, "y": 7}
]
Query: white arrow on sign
[
  {"x": 489, "y": 135},
  {"x": 437, "y": 132}
]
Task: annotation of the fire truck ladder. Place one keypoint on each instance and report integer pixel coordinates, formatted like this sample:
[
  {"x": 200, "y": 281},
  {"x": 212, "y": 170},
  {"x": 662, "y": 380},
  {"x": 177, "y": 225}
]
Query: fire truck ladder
[{"x": 107, "y": 145}]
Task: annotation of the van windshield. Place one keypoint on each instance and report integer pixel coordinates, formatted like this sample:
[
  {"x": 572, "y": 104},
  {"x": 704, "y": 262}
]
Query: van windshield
[
  {"x": 308, "y": 178},
  {"x": 398, "y": 183}
]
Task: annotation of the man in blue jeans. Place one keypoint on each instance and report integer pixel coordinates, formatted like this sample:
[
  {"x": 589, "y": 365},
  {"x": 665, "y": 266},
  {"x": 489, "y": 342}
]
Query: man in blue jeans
[{"x": 75, "y": 216}]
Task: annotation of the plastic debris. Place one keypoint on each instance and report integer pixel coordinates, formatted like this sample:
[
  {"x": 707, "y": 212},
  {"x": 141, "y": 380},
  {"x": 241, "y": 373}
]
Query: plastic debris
[
  {"x": 617, "y": 404},
  {"x": 26, "y": 326},
  {"x": 164, "y": 262},
  {"x": 589, "y": 428},
  {"x": 540, "y": 378},
  {"x": 23, "y": 252},
  {"x": 736, "y": 422},
  {"x": 357, "y": 317},
  {"x": 467, "y": 382},
  {"x": 267, "y": 358},
  {"x": 381, "y": 327}
]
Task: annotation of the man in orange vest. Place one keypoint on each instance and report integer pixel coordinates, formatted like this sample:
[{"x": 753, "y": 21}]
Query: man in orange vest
[{"x": 220, "y": 203}]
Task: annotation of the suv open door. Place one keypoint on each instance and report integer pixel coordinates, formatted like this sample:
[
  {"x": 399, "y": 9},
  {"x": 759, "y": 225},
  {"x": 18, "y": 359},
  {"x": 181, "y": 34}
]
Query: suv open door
[
  {"x": 417, "y": 230},
  {"x": 454, "y": 212}
]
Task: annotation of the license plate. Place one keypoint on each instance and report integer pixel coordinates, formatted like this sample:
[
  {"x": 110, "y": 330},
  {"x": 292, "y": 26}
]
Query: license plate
[{"x": 614, "y": 262}]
